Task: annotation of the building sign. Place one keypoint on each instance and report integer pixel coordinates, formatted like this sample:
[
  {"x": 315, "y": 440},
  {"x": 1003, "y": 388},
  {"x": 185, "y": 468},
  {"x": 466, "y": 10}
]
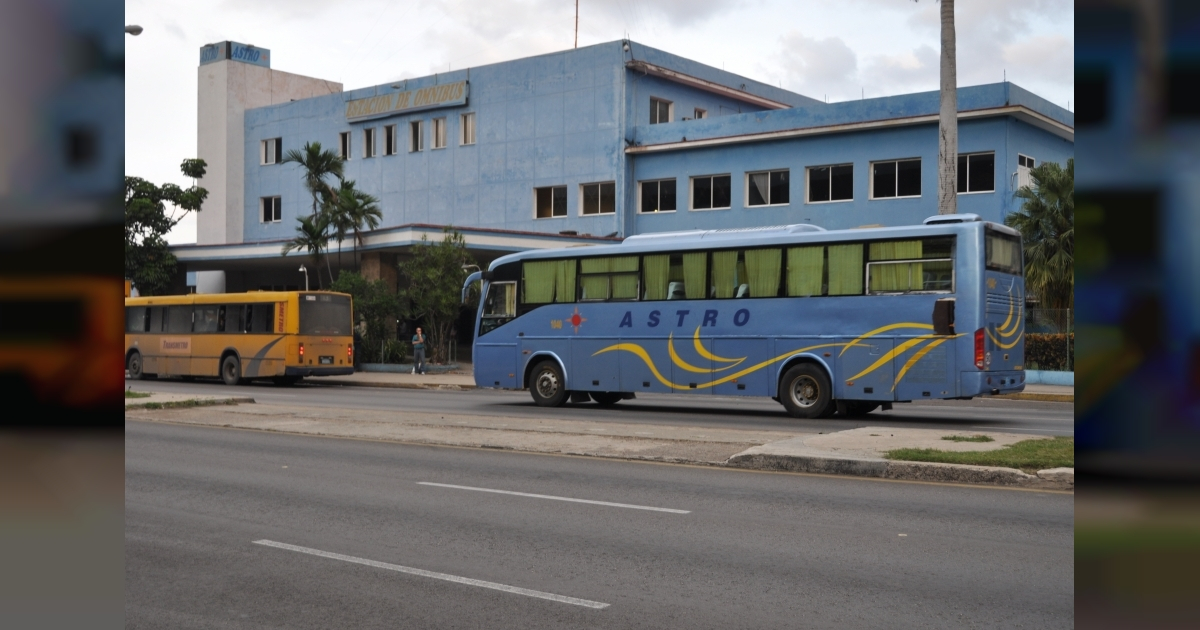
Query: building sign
[
  {"x": 446, "y": 95},
  {"x": 234, "y": 51}
]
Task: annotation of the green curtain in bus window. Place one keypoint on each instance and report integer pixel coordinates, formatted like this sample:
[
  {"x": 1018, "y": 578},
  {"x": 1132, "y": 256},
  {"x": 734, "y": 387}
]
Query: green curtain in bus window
[
  {"x": 724, "y": 273},
  {"x": 564, "y": 281},
  {"x": 846, "y": 269},
  {"x": 538, "y": 285},
  {"x": 624, "y": 280},
  {"x": 806, "y": 269},
  {"x": 656, "y": 270},
  {"x": 694, "y": 266},
  {"x": 900, "y": 276},
  {"x": 762, "y": 270},
  {"x": 595, "y": 287}
]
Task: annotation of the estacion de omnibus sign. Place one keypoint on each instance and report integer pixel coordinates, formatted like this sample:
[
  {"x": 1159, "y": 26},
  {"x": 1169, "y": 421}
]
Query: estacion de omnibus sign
[{"x": 434, "y": 96}]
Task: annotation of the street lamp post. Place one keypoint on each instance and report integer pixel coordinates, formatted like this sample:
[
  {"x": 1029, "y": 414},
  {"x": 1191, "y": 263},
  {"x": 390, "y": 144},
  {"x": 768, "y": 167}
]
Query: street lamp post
[{"x": 305, "y": 270}]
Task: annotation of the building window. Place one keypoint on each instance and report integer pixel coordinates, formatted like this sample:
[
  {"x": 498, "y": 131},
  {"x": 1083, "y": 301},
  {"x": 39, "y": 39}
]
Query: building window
[
  {"x": 658, "y": 196},
  {"x": 710, "y": 192},
  {"x": 550, "y": 202},
  {"x": 660, "y": 111},
  {"x": 768, "y": 188},
  {"x": 599, "y": 198},
  {"x": 831, "y": 183},
  {"x": 272, "y": 209},
  {"x": 977, "y": 172},
  {"x": 369, "y": 142},
  {"x": 272, "y": 151},
  {"x": 1024, "y": 164},
  {"x": 439, "y": 133},
  {"x": 344, "y": 145},
  {"x": 389, "y": 140},
  {"x": 468, "y": 128},
  {"x": 897, "y": 178},
  {"x": 416, "y": 136},
  {"x": 700, "y": 114}
]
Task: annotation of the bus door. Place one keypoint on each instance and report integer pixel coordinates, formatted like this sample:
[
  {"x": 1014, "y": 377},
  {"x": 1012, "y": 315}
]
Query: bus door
[
  {"x": 496, "y": 353},
  {"x": 866, "y": 370}
]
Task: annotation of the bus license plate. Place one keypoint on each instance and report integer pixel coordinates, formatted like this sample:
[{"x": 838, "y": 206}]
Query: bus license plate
[{"x": 326, "y": 360}]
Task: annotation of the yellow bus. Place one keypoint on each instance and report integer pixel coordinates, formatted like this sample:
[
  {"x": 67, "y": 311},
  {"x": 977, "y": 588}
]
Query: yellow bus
[{"x": 278, "y": 335}]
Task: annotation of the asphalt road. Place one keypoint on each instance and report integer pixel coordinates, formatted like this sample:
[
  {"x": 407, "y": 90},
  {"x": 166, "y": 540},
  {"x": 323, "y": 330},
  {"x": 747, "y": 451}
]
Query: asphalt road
[
  {"x": 235, "y": 529},
  {"x": 1016, "y": 416}
]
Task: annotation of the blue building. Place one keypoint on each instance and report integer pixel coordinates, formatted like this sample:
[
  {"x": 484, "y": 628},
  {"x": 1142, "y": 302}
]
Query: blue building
[{"x": 583, "y": 146}]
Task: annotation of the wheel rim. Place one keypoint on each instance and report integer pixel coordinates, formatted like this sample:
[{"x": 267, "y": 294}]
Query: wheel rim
[
  {"x": 805, "y": 391},
  {"x": 230, "y": 371},
  {"x": 135, "y": 365},
  {"x": 547, "y": 384}
]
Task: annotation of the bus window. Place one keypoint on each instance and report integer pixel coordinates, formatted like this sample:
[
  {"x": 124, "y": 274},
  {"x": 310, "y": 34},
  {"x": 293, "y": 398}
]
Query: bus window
[
  {"x": 725, "y": 278},
  {"x": 1002, "y": 252},
  {"x": 909, "y": 266},
  {"x": 325, "y": 315},
  {"x": 206, "y": 319},
  {"x": 137, "y": 319},
  {"x": 805, "y": 271},
  {"x": 259, "y": 317},
  {"x": 846, "y": 269},
  {"x": 548, "y": 281},
  {"x": 762, "y": 271},
  {"x": 688, "y": 276},
  {"x": 655, "y": 276},
  {"x": 179, "y": 319},
  {"x": 610, "y": 278},
  {"x": 157, "y": 321},
  {"x": 499, "y": 307}
]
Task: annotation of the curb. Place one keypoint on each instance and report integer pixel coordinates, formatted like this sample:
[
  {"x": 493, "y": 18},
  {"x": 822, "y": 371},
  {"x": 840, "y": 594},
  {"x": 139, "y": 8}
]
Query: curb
[
  {"x": 191, "y": 402},
  {"x": 1051, "y": 479},
  {"x": 1069, "y": 398},
  {"x": 449, "y": 386}
]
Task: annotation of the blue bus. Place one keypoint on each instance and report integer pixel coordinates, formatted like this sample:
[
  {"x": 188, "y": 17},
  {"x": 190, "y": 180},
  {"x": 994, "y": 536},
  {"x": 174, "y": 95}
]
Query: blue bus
[{"x": 822, "y": 321}]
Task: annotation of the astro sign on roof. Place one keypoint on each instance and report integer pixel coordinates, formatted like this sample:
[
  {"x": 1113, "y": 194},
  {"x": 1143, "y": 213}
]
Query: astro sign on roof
[{"x": 234, "y": 51}]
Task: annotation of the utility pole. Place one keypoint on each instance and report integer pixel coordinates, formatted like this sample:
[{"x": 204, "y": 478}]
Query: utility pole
[
  {"x": 577, "y": 23},
  {"x": 948, "y": 117}
]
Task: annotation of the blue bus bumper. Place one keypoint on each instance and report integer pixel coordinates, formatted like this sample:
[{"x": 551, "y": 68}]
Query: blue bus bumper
[{"x": 985, "y": 383}]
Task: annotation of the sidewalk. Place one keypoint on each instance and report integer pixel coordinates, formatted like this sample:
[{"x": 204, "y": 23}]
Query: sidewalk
[{"x": 463, "y": 379}]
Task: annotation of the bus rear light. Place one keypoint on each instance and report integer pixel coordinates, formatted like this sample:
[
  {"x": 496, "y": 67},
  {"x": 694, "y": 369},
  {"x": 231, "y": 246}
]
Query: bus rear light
[
  {"x": 979, "y": 349},
  {"x": 349, "y": 351},
  {"x": 301, "y": 353}
]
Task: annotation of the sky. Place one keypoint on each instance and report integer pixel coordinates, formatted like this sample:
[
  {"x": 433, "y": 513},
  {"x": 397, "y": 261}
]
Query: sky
[{"x": 833, "y": 49}]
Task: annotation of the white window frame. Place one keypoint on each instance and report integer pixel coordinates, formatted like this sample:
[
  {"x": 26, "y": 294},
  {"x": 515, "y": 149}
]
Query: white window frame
[
  {"x": 968, "y": 174},
  {"x": 370, "y": 146},
  {"x": 567, "y": 204},
  {"x": 659, "y": 182},
  {"x": 746, "y": 186},
  {"x": 439, "y": 133},
  {"x": 1027, "y": 166},
  {"x": 270, "y": 151},
  {"x": 416, "y": 136},
  {"x": 598, "y": 212},
  {"x": 871, "y": 182},
  {"x": 389, "y": 140},
  {"x": 808, "y": 187},
  {"x": 345, "y": 144},
  {"x": 692, "y": 192},
  {"x": 262, "y": 209},
  {"x": 700, "y": 113},
  {"x": 467, "y": 126},
  {"x": 654, "y": 100}
]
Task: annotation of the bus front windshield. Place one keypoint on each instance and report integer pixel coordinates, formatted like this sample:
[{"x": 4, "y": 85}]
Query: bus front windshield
[{"x": 325, "y": 315}]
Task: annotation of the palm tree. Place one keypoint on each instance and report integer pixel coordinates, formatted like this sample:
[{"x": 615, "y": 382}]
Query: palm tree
[
  {"x": 1046, "y": 221},
  {"x": 361, "y": 211},
  {"x": 318, "y": 164},
  {"x": 313, "y": 235},
  {"x": 948, "y": 117}
]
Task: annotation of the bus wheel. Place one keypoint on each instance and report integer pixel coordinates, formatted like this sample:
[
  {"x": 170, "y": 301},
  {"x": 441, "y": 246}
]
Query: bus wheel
[
  {"x": 547, "y": 386},
  {"x": 134, "y": 365},
  {"x": 806, "y": 392},
  {"x": 231, "y": 370},
  {"x": 606, "y": 399}
]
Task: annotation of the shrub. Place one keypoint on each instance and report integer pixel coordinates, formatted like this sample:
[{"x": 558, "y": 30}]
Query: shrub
[{"x": 1050, "y": 351}]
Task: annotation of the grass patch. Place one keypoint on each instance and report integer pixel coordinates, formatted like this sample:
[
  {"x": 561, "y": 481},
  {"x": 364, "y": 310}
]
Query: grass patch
[
  {"x": 1027, "y": 455},
  {"x": 968, "y": 438},
  {"x": 132, "y": 394}
]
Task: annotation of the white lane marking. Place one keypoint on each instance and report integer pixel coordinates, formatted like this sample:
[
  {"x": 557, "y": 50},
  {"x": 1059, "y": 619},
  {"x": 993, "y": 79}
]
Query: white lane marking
[
  {"x": 435, "y": 575},
  {"x": 1020, "y": 429},
  {"x": 546, "y": 496}
]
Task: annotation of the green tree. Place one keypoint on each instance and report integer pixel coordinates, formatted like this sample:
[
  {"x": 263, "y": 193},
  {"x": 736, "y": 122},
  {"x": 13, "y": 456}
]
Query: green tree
[
  {"x": 360, "y": 211},
  {"x": 148, "y": 261},
  {"x": 434, "y": 276},
  {"x": 1046, "y": 221},
  {"x": 318, "y": 165},
  {"x": 313, "y": 235},
  {"x": 375, "y": 303}
]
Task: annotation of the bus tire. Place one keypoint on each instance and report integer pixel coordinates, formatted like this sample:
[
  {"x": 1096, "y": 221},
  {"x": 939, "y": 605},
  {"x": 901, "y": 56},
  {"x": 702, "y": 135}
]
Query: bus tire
[
  {"x": 134, "y": 365},
  {"x": 548, "y": 387},
  {"x": 607, "y": 399},
  {"x": 806, "y": 392},
  {"x": 231, "y": 370}
]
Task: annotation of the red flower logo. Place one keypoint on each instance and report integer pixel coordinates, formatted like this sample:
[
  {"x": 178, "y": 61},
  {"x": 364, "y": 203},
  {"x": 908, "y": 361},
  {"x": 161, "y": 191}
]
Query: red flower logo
[{"x": 576, "y": 320}]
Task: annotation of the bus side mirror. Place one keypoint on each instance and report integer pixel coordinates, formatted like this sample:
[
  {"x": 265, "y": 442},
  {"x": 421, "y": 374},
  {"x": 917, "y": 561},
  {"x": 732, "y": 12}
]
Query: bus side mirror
[{"x": 943, "y": 317}]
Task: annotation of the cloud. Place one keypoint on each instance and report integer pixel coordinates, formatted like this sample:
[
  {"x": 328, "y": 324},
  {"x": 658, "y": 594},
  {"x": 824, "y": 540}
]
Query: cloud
[
  {"x": 1044, "y": 58},
  {"x": 914, "y": 71},
  {"x": 815, "y": 67}
]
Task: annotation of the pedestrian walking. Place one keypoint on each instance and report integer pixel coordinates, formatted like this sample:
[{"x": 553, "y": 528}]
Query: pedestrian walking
[{"x": 418, "y": 342}]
